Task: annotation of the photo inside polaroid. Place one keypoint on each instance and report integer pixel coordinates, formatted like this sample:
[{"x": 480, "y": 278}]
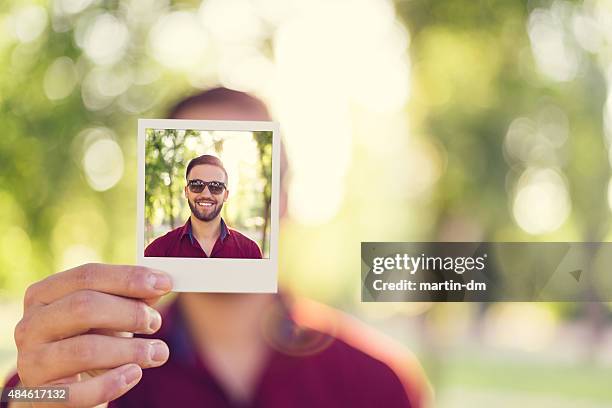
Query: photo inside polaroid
[
  {"x": 208, "y": 193},
  {"x": 207, "y": 196}
]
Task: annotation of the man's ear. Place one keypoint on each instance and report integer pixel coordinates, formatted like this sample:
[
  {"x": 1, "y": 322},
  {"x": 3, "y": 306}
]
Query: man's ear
[
  {"x": 225, "y": 195},
  {"x": 185, "y": 192}
]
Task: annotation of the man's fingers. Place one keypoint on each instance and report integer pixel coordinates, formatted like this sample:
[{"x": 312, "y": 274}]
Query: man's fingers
[
  {"x": 91, "y": 352},
  {"x": 123, "y": 280},
  {"x": 82, "y": 311},
  {"x": 103, "y": 388}
]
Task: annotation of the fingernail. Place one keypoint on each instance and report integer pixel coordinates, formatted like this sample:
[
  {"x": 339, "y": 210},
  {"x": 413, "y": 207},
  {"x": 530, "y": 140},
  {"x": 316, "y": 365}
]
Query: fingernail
[
  {"x": 130, "y": 374},
  {"x": 154, "y": 319},
  {"x": 160, "y": 281},
  {"x": 158, "y": 352}
]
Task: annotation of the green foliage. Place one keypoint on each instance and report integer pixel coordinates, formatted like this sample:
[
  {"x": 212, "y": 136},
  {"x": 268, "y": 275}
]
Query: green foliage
[
  {"x": 164, "y": 159},
  {"x": 473, "y": 73},
  {"x": 264, "y": 147}
]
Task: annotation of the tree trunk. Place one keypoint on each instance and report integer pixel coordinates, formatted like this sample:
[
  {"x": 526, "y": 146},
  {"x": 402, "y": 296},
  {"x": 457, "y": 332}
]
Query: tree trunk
[{"x": 264, "y": 241}]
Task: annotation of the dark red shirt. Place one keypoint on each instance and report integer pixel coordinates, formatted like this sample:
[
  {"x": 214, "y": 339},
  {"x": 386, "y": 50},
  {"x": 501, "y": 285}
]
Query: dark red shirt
[
  {"x": 181, "y": 243},
  {"x": 306, "y": 368},
  {"x": 318, "y": 357}
]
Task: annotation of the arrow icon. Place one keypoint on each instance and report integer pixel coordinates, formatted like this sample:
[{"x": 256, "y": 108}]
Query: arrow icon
[{"x": 576, "y": 274}]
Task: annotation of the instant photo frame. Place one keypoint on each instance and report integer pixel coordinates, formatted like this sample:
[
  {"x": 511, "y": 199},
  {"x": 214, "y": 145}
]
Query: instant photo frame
[{"x": 221, "y": 275}]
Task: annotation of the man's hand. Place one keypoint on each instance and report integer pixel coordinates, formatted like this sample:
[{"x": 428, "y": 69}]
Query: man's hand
[{"x": 81, "y": 321}]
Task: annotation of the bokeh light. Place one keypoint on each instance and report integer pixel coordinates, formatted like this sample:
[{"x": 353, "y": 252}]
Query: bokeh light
[
  {"x": 555, "y": 55},
  {"x": 542, "y": 202},
  {"x": 104, "y": 38},
  {"x": 60, "y": 78},
  {"x": 232, "y": 21},
  {"x": 351, "y": 67},
  {"x": 103, "y": 164},
  {"x": 179, "y": 42},
  {"x": 71, "y": 6},
  {"x": 29, "y": 22},
  {"x": 78, "y": 254}
]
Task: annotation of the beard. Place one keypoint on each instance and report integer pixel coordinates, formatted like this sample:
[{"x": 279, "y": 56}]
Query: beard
[{"x": 205, "y": 214}]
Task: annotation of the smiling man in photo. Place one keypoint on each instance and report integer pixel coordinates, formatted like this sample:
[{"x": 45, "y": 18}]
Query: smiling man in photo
[{"x": 205, "y": 234}]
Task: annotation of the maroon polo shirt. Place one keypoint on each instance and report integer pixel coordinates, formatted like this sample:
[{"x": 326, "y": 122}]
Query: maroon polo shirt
[
  {"x": 305, "y": 368},
  {"x": 180, "y": 243},
  {"x": 317, "y": 357}
]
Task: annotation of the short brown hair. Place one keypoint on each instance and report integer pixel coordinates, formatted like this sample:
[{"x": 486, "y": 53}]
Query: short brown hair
[
  {"x": 216, "y": 96},
  {"x": 205, "y": 159}
]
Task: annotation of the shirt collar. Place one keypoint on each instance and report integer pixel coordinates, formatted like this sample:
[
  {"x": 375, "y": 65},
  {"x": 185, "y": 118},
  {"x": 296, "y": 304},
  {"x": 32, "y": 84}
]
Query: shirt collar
[
  {"x": 186, "y": 230},
  {"x": 224, "y": 230}
]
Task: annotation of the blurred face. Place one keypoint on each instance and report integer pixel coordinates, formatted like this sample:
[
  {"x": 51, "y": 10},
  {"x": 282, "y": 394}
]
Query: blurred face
[
  {"x": 228, "y": 111},
  {"x": 206, "y": 206}
]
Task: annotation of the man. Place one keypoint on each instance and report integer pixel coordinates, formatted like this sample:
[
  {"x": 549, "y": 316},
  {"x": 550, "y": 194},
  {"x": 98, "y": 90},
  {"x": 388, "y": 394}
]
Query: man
[
  {"x": 213, "y": 350},
  {"x": 205, "y": 233}
]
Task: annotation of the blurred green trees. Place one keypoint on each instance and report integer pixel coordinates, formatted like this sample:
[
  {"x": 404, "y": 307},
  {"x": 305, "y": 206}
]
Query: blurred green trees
[
  {"x": 477, "y": 70},
  {"x": 494, "y": 124},
  {"x": 502, "y": 134},
  {"x": 164, "y": 157},
  {"x": 264, "y": 148}
]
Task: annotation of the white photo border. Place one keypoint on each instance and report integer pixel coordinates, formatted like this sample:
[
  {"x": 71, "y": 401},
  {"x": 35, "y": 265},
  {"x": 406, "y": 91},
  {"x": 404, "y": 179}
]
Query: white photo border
[{"x": 217, "y": 275}]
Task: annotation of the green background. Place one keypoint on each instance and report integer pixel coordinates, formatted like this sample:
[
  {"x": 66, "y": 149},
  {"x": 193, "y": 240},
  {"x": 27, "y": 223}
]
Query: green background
[{"x": 410, "y": 120}]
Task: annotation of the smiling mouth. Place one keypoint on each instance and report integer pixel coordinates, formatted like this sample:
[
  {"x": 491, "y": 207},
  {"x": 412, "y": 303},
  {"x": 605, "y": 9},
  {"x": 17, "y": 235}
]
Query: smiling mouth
[{"x": 205, "y": 204}]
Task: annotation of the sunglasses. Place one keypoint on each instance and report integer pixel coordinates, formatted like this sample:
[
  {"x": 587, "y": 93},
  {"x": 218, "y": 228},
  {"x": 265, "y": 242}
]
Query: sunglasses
[{"x": 197, "y": 186}]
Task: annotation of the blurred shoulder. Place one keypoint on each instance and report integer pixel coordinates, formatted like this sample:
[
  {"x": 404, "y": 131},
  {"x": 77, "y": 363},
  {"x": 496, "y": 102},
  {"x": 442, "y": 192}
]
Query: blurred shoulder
[{"x": 369, "y": 352}]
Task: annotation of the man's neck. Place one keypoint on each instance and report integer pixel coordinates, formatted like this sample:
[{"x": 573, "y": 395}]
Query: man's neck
[
  {"x": 225, "y": 317},
  {"x": 206, "y": 230},
  {"x": 227, "y": 331}
]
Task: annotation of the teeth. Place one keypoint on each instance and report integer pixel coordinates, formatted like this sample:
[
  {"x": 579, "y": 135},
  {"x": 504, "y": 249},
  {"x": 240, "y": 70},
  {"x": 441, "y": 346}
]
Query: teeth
[{"x": 205, "y": 204}]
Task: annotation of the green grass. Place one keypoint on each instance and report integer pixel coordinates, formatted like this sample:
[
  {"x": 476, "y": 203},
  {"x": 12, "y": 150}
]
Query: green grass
[{"x": 584, "y": 381}]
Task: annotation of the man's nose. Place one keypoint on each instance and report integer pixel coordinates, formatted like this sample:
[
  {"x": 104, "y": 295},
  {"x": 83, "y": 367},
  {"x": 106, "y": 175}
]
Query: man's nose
[{"x": 206, "y": 192}]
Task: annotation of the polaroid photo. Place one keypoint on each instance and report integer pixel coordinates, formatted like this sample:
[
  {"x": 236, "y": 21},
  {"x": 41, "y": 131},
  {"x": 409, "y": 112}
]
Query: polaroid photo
[{"x": 208, "y": 203}]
